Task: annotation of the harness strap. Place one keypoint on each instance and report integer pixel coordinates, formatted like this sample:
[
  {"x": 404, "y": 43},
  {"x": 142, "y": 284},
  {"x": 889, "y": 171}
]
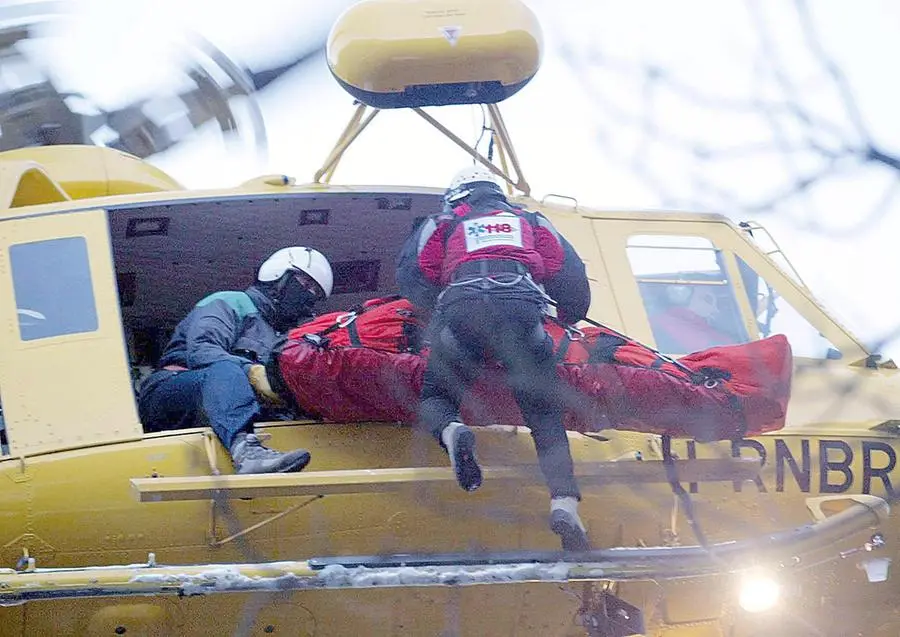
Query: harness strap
[
  {"x": 353, "y": 333},
  {"x": 563, "y": 350},
  {"x": 347, "y": 320}
]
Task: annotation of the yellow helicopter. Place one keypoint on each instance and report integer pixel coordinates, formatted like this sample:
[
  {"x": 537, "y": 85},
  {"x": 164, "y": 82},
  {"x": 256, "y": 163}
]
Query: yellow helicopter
[{"x": 107, "y": 530}]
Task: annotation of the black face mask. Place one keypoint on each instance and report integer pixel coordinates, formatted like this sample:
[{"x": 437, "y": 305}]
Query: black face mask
[{"x": 293, "y": 303}]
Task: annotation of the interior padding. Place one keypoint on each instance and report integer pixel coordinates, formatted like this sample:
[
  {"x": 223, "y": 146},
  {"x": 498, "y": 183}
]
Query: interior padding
[{"x": 217, "y": 244}]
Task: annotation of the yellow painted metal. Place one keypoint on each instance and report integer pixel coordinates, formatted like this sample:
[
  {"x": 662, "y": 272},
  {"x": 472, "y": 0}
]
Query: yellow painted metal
[
  {"x": 85, "y": 488},
  {"x": 532, "y": 609},
  {"x": 435, "y": 570},
  {"x": 83, "y": 172},
  {"x": 77, "y": 490},
  {"x": 75, "y": 474},
  {"x": 383, "y": 480},
  {"x": 382, "y": 47},
  {"x": 25, "y": 183},
  {"x": 92, "y": 400},
  {"x": 271, "y": 183}
]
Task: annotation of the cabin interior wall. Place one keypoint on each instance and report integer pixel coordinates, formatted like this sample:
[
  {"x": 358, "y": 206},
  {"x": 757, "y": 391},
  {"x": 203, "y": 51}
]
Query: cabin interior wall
[{"x": 169, "y": 256}]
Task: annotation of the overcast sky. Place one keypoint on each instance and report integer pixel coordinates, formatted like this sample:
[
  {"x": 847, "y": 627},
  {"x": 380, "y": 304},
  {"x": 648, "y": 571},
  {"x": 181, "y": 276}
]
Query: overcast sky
[{"x": 581, "y": 127}]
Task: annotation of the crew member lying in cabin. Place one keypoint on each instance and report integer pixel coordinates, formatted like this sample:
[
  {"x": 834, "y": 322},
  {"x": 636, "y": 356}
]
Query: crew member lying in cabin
[{"x": 213, "y": 369}]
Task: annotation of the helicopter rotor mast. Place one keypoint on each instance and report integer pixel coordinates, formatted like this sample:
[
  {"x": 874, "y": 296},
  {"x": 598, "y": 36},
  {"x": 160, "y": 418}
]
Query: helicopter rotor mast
[
  {"x": 389, "y": 57},
  {"x": 362, "y": 117}
]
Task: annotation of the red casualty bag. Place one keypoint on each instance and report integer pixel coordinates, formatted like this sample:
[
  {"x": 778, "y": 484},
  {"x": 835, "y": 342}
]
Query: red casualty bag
[
  {"x": 388, "y": 324},
  {"x": 610, "y": 381}
]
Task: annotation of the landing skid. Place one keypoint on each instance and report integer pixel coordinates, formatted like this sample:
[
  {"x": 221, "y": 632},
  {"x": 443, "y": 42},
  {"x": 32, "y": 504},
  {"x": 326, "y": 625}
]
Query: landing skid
[{"x": 449, "y": 569}]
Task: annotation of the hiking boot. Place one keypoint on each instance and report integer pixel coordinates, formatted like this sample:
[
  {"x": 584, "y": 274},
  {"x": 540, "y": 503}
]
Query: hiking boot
[
  {"x": 460, "y": 443},
  {"x": 250, "y": 456},
  {"x": 564, "y": 521}
]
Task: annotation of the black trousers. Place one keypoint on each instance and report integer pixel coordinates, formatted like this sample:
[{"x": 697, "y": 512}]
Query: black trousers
[{"x": 471, "y": 327}]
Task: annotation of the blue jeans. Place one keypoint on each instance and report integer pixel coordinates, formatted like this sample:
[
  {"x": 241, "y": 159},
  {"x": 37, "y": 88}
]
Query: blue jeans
[{"x": 219, "y": 396}]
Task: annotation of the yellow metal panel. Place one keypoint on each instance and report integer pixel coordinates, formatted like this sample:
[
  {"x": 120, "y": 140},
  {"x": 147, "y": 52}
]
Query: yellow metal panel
[
  {"x": 68, "y": 390},
  {"x": 381, "y": 46},
  {"x": 540, "y": 609},
  {"x": 94, "y": 171},
  {"x": 24, "y": 183},
  {"x": 577, "y": 229}
]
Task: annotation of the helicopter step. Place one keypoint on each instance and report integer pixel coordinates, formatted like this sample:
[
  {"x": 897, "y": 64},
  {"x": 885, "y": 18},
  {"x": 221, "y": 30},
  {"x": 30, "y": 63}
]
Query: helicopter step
[{"x": 381, "y": 480}]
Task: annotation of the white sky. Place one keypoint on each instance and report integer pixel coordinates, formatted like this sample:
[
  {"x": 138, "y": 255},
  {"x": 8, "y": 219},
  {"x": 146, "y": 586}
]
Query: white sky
[{"x": 569, "y": 143}]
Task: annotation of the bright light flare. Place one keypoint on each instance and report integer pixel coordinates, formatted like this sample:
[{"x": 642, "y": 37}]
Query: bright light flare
[{"x": 759, "y": 593}]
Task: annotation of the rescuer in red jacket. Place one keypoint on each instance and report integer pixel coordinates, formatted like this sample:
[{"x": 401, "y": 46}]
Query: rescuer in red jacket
[{"x": 486, "y": 263}]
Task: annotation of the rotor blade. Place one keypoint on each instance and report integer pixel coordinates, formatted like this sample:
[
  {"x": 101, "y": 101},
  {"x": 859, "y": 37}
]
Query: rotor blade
[{"x": 261, "y": 79}]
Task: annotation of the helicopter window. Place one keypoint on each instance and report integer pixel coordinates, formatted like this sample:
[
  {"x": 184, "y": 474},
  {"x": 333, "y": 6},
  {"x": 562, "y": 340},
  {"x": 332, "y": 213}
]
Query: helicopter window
[
  {"x": 686, "y": 292},
  {"x": 53, "y": 289},
  {"x": 775, "y": 315}
]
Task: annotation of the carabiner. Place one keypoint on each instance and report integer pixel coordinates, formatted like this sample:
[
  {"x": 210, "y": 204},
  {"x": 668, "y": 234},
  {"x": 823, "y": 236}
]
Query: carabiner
[{"x": 345, "y": 319}]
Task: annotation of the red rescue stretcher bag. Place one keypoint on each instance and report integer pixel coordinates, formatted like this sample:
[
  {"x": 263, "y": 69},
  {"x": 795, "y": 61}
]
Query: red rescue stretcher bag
[
  {"x": 388, "y": 324},
  {"x": 610, "y": 381}
]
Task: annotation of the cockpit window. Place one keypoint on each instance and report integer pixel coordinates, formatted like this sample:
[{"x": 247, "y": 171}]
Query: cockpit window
[
  {"x": 689, "y": 298},
  {"x": 774, "y": 315},
  {"x": 53, "y": 289}
]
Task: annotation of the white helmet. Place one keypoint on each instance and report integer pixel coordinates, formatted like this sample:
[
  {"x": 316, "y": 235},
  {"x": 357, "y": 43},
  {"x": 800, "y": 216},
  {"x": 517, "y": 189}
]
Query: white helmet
[
  {"x": 462, "y": 183},
  {"x": 306, "y": 260}
]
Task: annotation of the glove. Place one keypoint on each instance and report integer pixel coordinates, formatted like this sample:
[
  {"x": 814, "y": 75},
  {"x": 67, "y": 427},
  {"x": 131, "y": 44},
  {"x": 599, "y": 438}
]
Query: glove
[{"x": 259, "y": 380}]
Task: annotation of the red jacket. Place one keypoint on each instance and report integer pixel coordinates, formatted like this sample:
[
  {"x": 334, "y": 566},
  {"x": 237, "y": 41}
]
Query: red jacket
[{"x": 490, "y": 231}]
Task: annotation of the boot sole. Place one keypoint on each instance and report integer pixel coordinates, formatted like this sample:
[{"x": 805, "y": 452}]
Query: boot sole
[
  {"x": 572, "y": 537},
  {"x": 468, "y": 473}
]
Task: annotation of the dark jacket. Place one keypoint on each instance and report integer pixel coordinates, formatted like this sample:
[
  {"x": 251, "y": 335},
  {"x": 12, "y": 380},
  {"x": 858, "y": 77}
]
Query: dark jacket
[{"x": 234, "y": 326}]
